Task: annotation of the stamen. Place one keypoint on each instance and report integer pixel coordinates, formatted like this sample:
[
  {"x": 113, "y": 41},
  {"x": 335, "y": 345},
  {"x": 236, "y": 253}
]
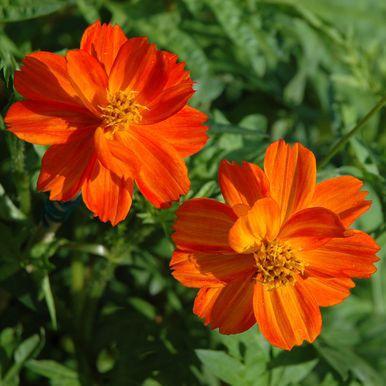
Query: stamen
[
  {"x": 277, "y": 264},
  {"x": 122, "y": 110}
]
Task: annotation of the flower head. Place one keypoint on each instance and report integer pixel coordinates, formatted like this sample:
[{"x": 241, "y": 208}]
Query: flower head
[
  {"x": 278, "y": 249},
  {"x": 114, "y": 112}
]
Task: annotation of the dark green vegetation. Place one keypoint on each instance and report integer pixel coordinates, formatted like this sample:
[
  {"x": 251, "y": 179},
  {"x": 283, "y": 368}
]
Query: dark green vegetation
[{"x": 97, "y": 305}]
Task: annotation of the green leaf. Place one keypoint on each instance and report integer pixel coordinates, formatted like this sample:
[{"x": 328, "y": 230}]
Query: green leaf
[
  {"x": 292, "y": 374},
  {"x": 26, "y": 350},
  {"x": 222, "y": 365},
  {"x": 16, "y": 10},
  {"x": 53, "y": 370},
  {"x": 8, "y": 210},
  {"x": 48, "y": 296},
  {"x": 345, "y": 361}
]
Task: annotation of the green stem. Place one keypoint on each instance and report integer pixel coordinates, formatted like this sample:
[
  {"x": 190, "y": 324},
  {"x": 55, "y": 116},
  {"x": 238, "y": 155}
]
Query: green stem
[
  {"x": 339, "y": 145},
  {"x": 20, "y": 175},
  {"x": 88, "y": 287}
]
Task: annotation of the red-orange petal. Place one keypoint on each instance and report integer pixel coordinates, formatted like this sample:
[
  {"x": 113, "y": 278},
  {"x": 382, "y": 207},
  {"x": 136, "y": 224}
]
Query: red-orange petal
[
  {"x": 184, "y": 131},
  {"x": 230, "y": 308},
  {"x": 44, "y": 77},
  {"x": 343, "y": 196},
  {"x": 242, "y": 184},
  {"x": 168, "y": 103},
  {"x": 329, "y": 291},
  {"x": 203, "y": 225},
  {"x": 49, "y": 123},
  {"x": 287, "y": 315},
  {"x": 134, "y": 61},
  {"x": 262, "y": 222},
  {"x": 64, "y": 169},
  {"x": 352, "y": 256},
  {"x": 312, "y": 227},
  {"x": 114, "y": 156},
  {"x": 88, "y": 78},
  {"x": 163, "y": 176},
  {"x": 291, "y": 172},
  {"x": 106, "y": 195},
  {"x": 204, "y": 302},
  {"x": 103, "y": 41},
  {"x": 198, "y": 269}
]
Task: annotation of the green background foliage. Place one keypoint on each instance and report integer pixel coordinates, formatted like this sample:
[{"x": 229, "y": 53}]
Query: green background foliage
[{"x": 88, "y": 304}]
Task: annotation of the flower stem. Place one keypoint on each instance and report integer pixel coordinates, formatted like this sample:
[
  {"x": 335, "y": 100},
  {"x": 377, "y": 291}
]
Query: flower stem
[{"x": 339, "y": 145}]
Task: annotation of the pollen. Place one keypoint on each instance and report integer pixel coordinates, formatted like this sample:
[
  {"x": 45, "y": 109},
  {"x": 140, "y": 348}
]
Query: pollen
[
  {"x": 121, "y": 111},
  {"x": 277, "y": 264}
]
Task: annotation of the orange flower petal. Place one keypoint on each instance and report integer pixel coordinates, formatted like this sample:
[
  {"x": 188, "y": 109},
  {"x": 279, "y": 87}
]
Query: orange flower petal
[
  {"x": 203, "y": 225},
  {"x": 287, "y": 315},
  {"x": 204, "y": 302},
  {"x": 196, "y": 269},
  {"x": 134, "y": 61},
  {"x": 329, "y": 291},
  {"x": 352, "y": 256},
  {"x": 64, "y": 169},
  {"x": 49, "y": 123},
  {"x": 88, "y": 78},
  {"x": 230, "y": 308},
  {"x": 311, "y": 228},
  {"x": 184, "y": 131},
  {"x": 163, "y": 176},
  {"x": 103, "y": 41},
  {"x": 106, "y": 195},
  {"x": 291, "y": 172},
  {"x": 176, "y": 71},
  {"x": 261, "y": 222},
  {"x": 169, "y": 102},
  {"x": 43, "y": 77},
  {"x": 242, "y": 184},
  {"x": 343, "y": 196},
  {"x": 114, "y": 156}
]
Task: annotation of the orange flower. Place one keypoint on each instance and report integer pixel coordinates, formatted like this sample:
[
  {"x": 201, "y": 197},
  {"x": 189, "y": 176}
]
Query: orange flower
[
  {"x": 277, "y": 250},
  {"x": 114, "y": 112}
]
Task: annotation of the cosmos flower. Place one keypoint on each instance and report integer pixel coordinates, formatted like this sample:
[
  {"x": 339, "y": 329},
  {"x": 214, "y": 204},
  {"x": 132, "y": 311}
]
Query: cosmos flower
[
  {"x": 279, "y": 248},
  {"x": 114, "y": 112}
]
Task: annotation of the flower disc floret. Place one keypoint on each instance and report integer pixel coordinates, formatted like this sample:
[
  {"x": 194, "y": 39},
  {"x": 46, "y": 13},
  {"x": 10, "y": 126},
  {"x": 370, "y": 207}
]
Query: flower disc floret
[
  {"x": 122, "y": 110},
  {"x": 277, "y": 264}
]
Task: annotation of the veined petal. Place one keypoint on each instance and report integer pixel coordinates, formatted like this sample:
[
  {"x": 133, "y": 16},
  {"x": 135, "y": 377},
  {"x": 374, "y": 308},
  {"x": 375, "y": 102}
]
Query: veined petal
[
  {"x": 162, "y": 176},
  {"x": 114, "y": 156},
  {"x": 103, "y": 41},
  {"x": 198, "y": 269},
  {"x": 230, "y": 308},
  {"x": 352, "y": 256},
  {"x": 242, "y": 184},
  {"x": 312, "y": 227},
  {"x": 343, "y": 196},
  {"x": 329, "y": 291},
  {"x": 261, "y": 222},
  {"x": 44, "y": 77},
  {"x": 203, "y": 225},
  {"x": 49, "y": 123},
  {"x": 291, "y": 172},
  {"x": 107, "y": 195},
  {"x": 64, "y": 169},
  {"x": 175, "y": 70},
  {"x": 204, "y": 302},
  {"x": 168, "y": 103},
  {"x": 134, "y": 61},
  {"x": 88, "y": 78},
  {"x": 287, "y": 315},
  {"x": 184, "y": 131}
]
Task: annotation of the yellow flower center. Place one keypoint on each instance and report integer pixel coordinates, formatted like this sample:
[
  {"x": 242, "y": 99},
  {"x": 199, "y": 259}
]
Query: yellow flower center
[
  {"x": 121, "y": 111},
  {"x": 277, "y": 264}
]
